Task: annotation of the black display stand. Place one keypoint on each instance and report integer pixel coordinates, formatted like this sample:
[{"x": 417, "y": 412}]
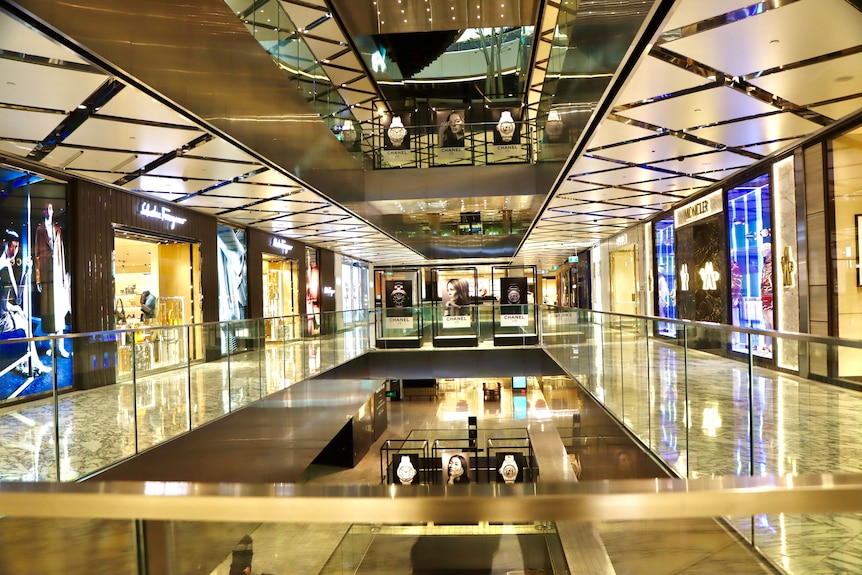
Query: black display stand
[
  {"x": 456, "y": 313},
  {"x": 517, "y": 315}
]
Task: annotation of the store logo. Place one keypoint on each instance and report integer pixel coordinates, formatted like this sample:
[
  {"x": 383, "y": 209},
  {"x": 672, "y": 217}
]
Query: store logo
[
  {"x": 788, "y": 267},
  {"x": 703, "y": 208},
  {"x": 683, "y": 277},
  {"x": 709, "y": 277},
  {"x": 328, "y": 291},
  {"x": 281, "y": 244},
  {"x": 162, "y": 213},
  {"x": 622, "y": 240}
]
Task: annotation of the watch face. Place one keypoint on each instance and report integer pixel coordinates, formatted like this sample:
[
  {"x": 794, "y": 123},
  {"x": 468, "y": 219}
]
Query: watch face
[
  {"x": 406, "y": 471},
  {"x": 514, "y": 294},
  {"x": 398, "y": 295}
]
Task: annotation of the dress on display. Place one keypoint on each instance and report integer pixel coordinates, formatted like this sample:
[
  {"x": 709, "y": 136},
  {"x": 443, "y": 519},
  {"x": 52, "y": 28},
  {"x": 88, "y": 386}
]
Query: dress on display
[{"x": 51, "y": 275}]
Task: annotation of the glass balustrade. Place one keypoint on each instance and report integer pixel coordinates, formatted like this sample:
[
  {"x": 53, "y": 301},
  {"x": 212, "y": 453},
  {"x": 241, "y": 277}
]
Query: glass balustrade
[{"x": 160, "y": 382}]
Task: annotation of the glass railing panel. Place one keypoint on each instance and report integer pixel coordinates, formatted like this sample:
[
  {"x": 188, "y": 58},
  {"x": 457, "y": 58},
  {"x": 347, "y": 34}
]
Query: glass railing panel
[
  {"x": 610, "y": 391},
  {"x": 245, "y": 355},
  {"x": 210, "y": 380},
  {"x": 636, "y": 394},
  {"x": 398, "y": 327},
  {"x": 718, "y": 391},
  {"x": 668, "y": 434},
  {"x": 68, "y": 546},
  {"x": 27, "y": 437},
  {"x": 161, "y": 394}
]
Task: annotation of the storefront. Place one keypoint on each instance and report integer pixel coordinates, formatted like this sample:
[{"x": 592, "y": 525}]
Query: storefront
[
  {"x": 624, "y": 262},
  {"x": 35, "y": 284},
  {"x": 156, "y": 284},
  {"x": 665, "y": 275},
  {"x": 700, "y": 259},
  {"x": 749, "y": 233},
  {"x": 280, "y": 297}
]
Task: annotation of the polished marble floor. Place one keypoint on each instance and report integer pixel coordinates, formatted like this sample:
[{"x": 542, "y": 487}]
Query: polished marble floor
[{"x": 691, "y": 407}]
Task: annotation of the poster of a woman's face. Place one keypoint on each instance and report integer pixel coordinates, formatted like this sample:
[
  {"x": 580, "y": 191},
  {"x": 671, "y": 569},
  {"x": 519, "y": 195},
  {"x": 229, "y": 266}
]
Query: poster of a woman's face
[
  {"x": 456, "y": 296},
  {"x": 451, "y": 128},
  {"x": 456, "y": 468}
]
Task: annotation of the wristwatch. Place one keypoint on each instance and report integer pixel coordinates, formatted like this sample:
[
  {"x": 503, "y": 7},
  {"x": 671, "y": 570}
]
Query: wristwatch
[
  {"x": 405, "y": 472},
  {"x": 509, "y": 469}
]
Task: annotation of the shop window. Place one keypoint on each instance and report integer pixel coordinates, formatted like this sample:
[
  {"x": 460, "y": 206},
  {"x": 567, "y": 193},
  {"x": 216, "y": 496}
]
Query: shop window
[
  {"x": 750, "y": 239},
  {"x": 665, "y": 272}
]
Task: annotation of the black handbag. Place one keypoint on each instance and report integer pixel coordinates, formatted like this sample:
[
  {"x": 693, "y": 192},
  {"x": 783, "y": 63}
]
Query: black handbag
[{"x": 119, "y": 312}]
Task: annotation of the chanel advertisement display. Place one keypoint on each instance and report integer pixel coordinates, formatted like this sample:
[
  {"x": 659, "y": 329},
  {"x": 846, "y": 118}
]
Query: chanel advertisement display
[
  {"x": 456, "y": 468},
  {"x": 399, "y": 304},
  {"x": 516, "y": 318},
  {"x": 510, "y": 467},
  {"x": 513, "y": 309},
  {"x": 397, "y": 140},
  {"x": 406, "y": 469},
  {"x": 456, "y": 303},
  {"x": 451, "y": 137}
]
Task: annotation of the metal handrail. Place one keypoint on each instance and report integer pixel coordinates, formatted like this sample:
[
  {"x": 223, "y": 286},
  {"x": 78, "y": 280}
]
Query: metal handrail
[{"x": 586, "y": 501}]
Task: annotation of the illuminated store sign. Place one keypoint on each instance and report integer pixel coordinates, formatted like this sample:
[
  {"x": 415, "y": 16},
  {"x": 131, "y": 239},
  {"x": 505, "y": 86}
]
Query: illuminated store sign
[
  {"x": 699, "y": 210},
  {"x": 709, "y": 277},
  {"x": 328, "y": 291},
  {"x": 162, "y": 213},
  {"x": 683, "y": 277},
  {"x": 281, "y": 244},
  {"x": 622, "y": 240}
]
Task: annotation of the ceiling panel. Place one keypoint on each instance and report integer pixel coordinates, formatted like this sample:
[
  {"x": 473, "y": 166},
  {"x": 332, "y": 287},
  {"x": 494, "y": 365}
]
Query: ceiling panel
[
  {"x": 655, "y": 78},
  {"x": 321, "y": 49},
  {"x": 339, "y": 76},
  {"x": 817, "y": 82},
  {"x": 307, "y": 218},
  {"x": 37, "y": 86},
  {"x": 622, "y": 176},
  {"x": 135, "y": 104},
  {"x": 221, "y": 202},
  {"x": 15, "y": 148},
  {"x": 705, "y": 162},
  {"x": 97, "y": 160},
  {"x": 18, "y": 124},
  {"x": 611, "y": 132},
  {"x": 189, "y": 167},
  {"x": 288, "y": 205},
  {"x": 776, "y": 37},
  {"x": 692, "y": 110},
  {"x": 169, "y": 185},
  {"x": 96, "y": 132},
  {"x": 774, "y": 127},
  {"x": 251, "y": 192},
  {"x": 840, "y": 109},
  {"x": 302, "y": 16},
  {"x": 654, "y": 149},
  {"x": 685, "y": 13},
  {"x": 222, "y": 149},
  {"x": 19, "y": 38},
  {"x": 671, "y": 184}
]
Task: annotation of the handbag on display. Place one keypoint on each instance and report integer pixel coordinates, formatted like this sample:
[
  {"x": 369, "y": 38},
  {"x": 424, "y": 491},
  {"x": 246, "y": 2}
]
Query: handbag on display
[{"x": 119, "y": 312}]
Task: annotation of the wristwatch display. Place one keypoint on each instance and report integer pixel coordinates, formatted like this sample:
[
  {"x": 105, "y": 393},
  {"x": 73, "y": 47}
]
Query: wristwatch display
[
  {"x": 406, "y": 472},
  {"x": 509, "y": 469}
]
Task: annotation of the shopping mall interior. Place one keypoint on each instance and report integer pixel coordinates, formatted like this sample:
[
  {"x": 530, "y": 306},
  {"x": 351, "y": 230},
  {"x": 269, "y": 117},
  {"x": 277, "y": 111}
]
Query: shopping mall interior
[{"x": 275, "y": 276}]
